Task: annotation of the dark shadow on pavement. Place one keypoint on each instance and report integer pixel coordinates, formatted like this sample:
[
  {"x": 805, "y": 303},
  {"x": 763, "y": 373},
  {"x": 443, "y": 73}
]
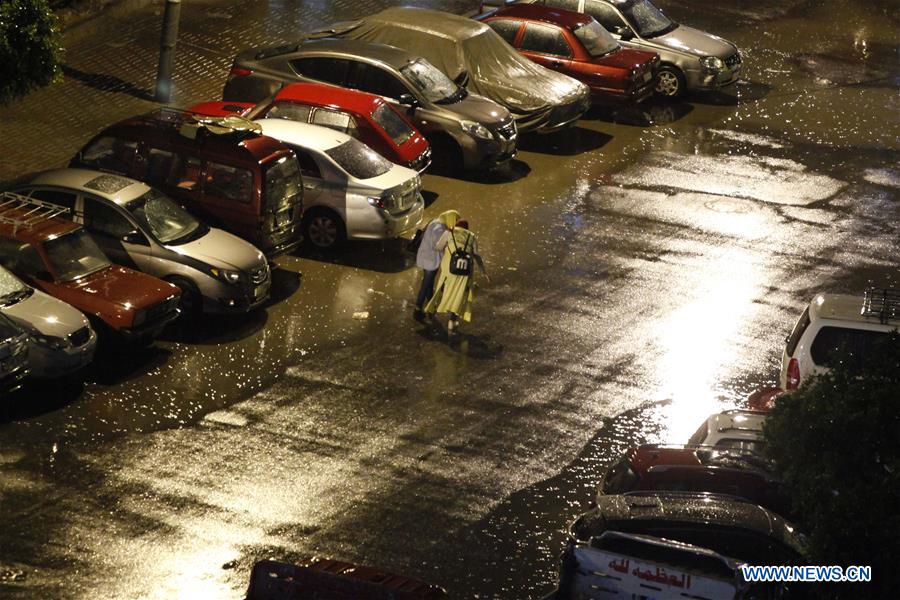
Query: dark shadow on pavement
[
  {"x": 384, "y": 256},
  {"x": 38, "y": 397},
  {"x": 655, "y": 111},
  {"x": 107, "y": 83},
  {"x": 116, "y": 363},
  {"x": 569, "y": 142},
  {"x": 469, "y": 344},
  {"x": 285, "y": 284},
  {"x": 429, "y": 197},
  {"x": 216, "y": 329},
  {"x": 742, "y": 92},
  {"x": 513, "y": 170}
]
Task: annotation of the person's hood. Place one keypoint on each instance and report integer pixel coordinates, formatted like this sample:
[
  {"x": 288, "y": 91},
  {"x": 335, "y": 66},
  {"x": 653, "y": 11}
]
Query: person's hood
[
  {"x": 696, "y": 42},
  {"x": 222, "y": 250},
  {"x": 45, "y": 315},
  {"x": 449, "y": 218}
]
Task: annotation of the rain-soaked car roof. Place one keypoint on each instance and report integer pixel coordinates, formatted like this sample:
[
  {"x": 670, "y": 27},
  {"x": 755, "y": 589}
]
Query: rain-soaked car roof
[{"x": 116, "y": 188}]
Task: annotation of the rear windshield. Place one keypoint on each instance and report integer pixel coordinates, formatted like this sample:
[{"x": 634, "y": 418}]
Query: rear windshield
[
  {"x": 854, "y": 345},
  {"x": 620, "y": 478},
  {"x": 799, "y": 328},
  {"x": 700, "y": 435},
  {"x": 283, "y": 183},
  {"x": 597, "y": 41},
  {"x": 393, "y": 124},
  {"x": 752, "y": 445},
  {"x": 75, "y": 255},
  {"x": 359, "y": 160}
]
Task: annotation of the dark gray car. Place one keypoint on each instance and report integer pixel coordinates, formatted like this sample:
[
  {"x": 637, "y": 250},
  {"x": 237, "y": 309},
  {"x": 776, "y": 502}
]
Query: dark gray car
[{"x": 462, "y": 128}]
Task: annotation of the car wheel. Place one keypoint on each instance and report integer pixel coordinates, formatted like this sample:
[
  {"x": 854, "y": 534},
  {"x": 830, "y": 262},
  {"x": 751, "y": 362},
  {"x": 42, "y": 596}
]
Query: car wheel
[
  {"x": 324, "y": 229},
  {"x": 670, "y": 82},
  {"x": 191, "y": 302}
]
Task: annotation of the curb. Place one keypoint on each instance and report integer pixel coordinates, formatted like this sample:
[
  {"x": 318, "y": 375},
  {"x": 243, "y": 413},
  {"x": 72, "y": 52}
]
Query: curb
[{"x": 94, "y": 24}]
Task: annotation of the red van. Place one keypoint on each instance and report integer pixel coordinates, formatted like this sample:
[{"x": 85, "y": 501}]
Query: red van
[
  {"x": 221, "y": 169},
  {"x": 367, "y": 117}
]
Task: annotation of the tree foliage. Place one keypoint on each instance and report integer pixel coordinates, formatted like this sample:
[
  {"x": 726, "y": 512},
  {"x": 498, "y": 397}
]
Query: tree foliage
[
  {"x": 836, "y": 444},
  {"x": 30, "y": 52}
]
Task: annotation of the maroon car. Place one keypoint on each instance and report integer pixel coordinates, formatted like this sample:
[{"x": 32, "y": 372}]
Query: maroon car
[
  {"x": 730, "y": 471},
  {"x": 577, "y": 45}
]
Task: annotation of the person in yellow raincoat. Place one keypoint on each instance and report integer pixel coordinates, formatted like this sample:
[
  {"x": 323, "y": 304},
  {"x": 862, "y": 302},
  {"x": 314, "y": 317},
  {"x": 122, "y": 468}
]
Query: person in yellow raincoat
[{"x": 453, "y": 291}]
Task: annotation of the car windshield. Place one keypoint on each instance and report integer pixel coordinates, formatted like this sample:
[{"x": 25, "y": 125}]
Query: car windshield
[
  {"x": 74, "y": 255},
  {"x": 165, "y": 220},
  {"x": 597, "y": 41},
  {"x": 283, "y": 183},
  {"x": 359, "y": 160},
  {"x": 432, "y": 83},
  {"x": 11, "y": 289},
  {"x": 647, "y": 20},
  {"x": 393, "y": 124}
]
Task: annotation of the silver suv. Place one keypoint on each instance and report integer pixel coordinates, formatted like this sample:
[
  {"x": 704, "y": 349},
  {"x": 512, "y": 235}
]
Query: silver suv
[
  {"x": 460, "y": 126},
  {"x": 690, "y": 59},
  {"x": 142, "y": 228}
]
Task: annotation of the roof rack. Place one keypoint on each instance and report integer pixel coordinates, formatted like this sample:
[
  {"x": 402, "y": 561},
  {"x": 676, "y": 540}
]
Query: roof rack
[
  {"x": 24, "y": 212},
  {"x": 883, "y": 303},
  {"x": 190, "y": 124}
]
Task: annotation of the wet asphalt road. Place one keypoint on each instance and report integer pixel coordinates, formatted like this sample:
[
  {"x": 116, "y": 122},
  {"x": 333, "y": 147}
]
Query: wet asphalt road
[{"x": 645, "y": 269}]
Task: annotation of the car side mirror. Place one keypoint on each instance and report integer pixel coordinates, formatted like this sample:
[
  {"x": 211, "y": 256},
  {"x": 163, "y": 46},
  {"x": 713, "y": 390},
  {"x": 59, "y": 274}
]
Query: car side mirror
[
  {"x": 135, "y": 237},
  {"x": 408, "y": 100},
  {"x": 624, "y": 32}
]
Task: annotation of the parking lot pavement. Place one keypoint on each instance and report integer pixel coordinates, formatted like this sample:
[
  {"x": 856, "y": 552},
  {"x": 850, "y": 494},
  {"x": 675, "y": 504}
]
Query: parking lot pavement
[{"x": 644, "y": 275}]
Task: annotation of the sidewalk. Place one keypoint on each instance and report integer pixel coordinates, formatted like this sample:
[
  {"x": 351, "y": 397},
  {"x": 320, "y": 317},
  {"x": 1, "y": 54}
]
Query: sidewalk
[{"x": 112, "y": 76}]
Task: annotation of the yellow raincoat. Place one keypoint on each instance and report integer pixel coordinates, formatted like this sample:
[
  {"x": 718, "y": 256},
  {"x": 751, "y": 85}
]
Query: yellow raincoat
[{"x": 453, "y": 293}]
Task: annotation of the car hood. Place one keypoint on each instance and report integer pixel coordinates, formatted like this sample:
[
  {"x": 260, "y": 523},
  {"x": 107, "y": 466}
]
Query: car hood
[
  {"x": 223, "y": 250},
  {"x": 479, "y": 109},
  {"x": 122, "y": 286},
  {"x": 626, "y": 59},
  {"x": 696, "y": 42},
  {"x": 43, "y": 314}
]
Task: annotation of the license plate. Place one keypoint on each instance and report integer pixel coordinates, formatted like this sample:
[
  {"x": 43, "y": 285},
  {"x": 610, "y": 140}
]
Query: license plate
[{"x": 647, "y": 76}]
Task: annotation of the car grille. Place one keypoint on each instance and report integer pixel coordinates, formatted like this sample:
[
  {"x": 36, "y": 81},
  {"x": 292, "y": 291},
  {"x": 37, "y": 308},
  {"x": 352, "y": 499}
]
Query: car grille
[
  {"x": 733, "y": 60},
  {"x": 260, "y": 275},
  {"x": 421, "y": 162},
  {"x": 507, "y": 130},
  {"x": 160, "y": 309},
  {"x": 80, "y": 337}
]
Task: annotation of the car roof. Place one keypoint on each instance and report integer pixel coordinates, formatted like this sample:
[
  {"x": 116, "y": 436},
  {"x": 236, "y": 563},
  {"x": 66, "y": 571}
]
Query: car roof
[
  {"x": 312, "y": 137},
  {"x": 434, "y": 22},
  {"x": 668, "y": 456},
  {"x": 537, "y": 12},
  {"x": 844, "y": 307},
  {"x": 329, "y": 95},
  {"x": 116, "y": 188},
  {"x": 390, "y": 55},
  {"x": 737, "y": 421}
]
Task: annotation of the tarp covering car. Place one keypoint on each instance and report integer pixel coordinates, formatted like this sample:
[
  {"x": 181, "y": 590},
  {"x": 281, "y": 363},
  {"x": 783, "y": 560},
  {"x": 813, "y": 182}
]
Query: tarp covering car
[{"x": 471, "y": 53}]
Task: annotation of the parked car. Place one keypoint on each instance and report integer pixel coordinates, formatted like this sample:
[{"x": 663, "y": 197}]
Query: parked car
[
  {"x": 60, "y": 338},
  {"x": 473, "y": 55},
  {"x": 464, "y": 130},
  {"x": 222, "y": 169},
  {"x": 735, "y": 472},
  {"x": 60, "y": 258},
  {"x": 367, "y": 117},
  {"x": 616, "y": 565},
  {"x": 691, "y": 60},
  {"x": 13, "y": 355},
  {"x": 352, "y": 192},
  {"x": 578, "y": 46},
  {"x": 142, "y": 228},
  {"x": 836, "y": 323},
  {"x": 325, "y": 579},
  {"x": 729, "y": 526},
  {"x": 741, "y": 429}
]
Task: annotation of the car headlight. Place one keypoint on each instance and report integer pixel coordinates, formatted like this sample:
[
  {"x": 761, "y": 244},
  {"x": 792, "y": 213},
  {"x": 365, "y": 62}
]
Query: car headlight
[
  {"x": 712, "y": 63},
  {"x": 476, "y": 130},
  {"x": 226, "y": 275},
  {"x": 51, "y": 341}
]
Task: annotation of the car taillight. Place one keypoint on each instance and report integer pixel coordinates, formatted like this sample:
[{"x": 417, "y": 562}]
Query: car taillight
[
  {"x": 793, "y": 375},
  {"x": 240, "y": 72}
]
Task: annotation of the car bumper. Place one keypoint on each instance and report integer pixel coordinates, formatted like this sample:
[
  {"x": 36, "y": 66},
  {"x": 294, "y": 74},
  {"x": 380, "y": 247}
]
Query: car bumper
[
  {"x": 704, "y": 80},
  {"x": 12, "y": 376},
  {"x": 486, "y": 154},
  {"x": 565, "y": 116},
  {"x": 383, "y": 225},
  {"x": 617, "y": 97},
  {"x": 249, "y": 299},
  {"x": 46, "y": 363},
  {"x": 148, "y": 331}
]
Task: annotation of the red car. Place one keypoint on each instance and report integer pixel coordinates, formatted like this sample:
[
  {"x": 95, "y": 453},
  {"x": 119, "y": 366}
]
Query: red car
[
  {"x": 578, "y": 46},
  {"x": 364, "y": 116},
  {"x": 653, "y": 467}
]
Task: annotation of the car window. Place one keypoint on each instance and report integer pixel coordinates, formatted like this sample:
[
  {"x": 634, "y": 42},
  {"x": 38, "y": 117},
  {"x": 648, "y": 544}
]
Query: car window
[
  {"x": 596, "y": 40},
  {"x": 228, "y": 182},
  {"x": 75, "y": 254},
  {"x": 620, "y": 478},
  {"x": 334, "y": 119},
  {"x": 101, "y": 218},
  {"x": 284, "y": 183},
  {"x": 27, "y": 261},
  {"x": 308, "y": 165},
  {"x": 58, "y": 197},
  {"x": 186, "y": 173},
  {"x": 376, "y": 80},
  {"x": 506, "y": 28},
  {"x": 359, "y": 160},
  {"x": 393, "y": 124},
  {"x": 544, "y": 39},
  {"x": 111, "y": 154},
  {"x": 797, "y": 333},
  {"x": 853, "y": 345},
  {"x": 605, "y": 14},
  {"x": 563, "y": 4},
  {"x": 161, "y": 164},
  {"x": 290, "y": 111},
  {"x": 330, "y": 70},
  {"x": 752, "y": 445},
  {"x": 700, "y": 435}
]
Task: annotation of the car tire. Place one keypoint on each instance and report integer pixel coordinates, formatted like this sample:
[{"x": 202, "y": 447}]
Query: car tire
[
  {"x": 670, "y": 82},
  {"x": 323, "y": 229},
  {"x": 191, "y": 303},
  {"x": 447, "y": 157}
]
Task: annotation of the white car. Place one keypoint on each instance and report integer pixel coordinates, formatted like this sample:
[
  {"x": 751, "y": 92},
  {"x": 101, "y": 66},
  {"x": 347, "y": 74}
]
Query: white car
[
  {"x": 732, "y": 429},
  {"x": 350, "y": 191},
  {"x": 60, "y": 339},
  {"x": 833, "y": 322}
]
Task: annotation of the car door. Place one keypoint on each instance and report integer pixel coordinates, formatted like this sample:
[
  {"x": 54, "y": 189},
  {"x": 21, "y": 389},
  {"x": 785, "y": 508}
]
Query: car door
[
  {"x": 547, "y": 46},
  {"x": 314, "y": 187},
  {"x": 119, "y": 238}
]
